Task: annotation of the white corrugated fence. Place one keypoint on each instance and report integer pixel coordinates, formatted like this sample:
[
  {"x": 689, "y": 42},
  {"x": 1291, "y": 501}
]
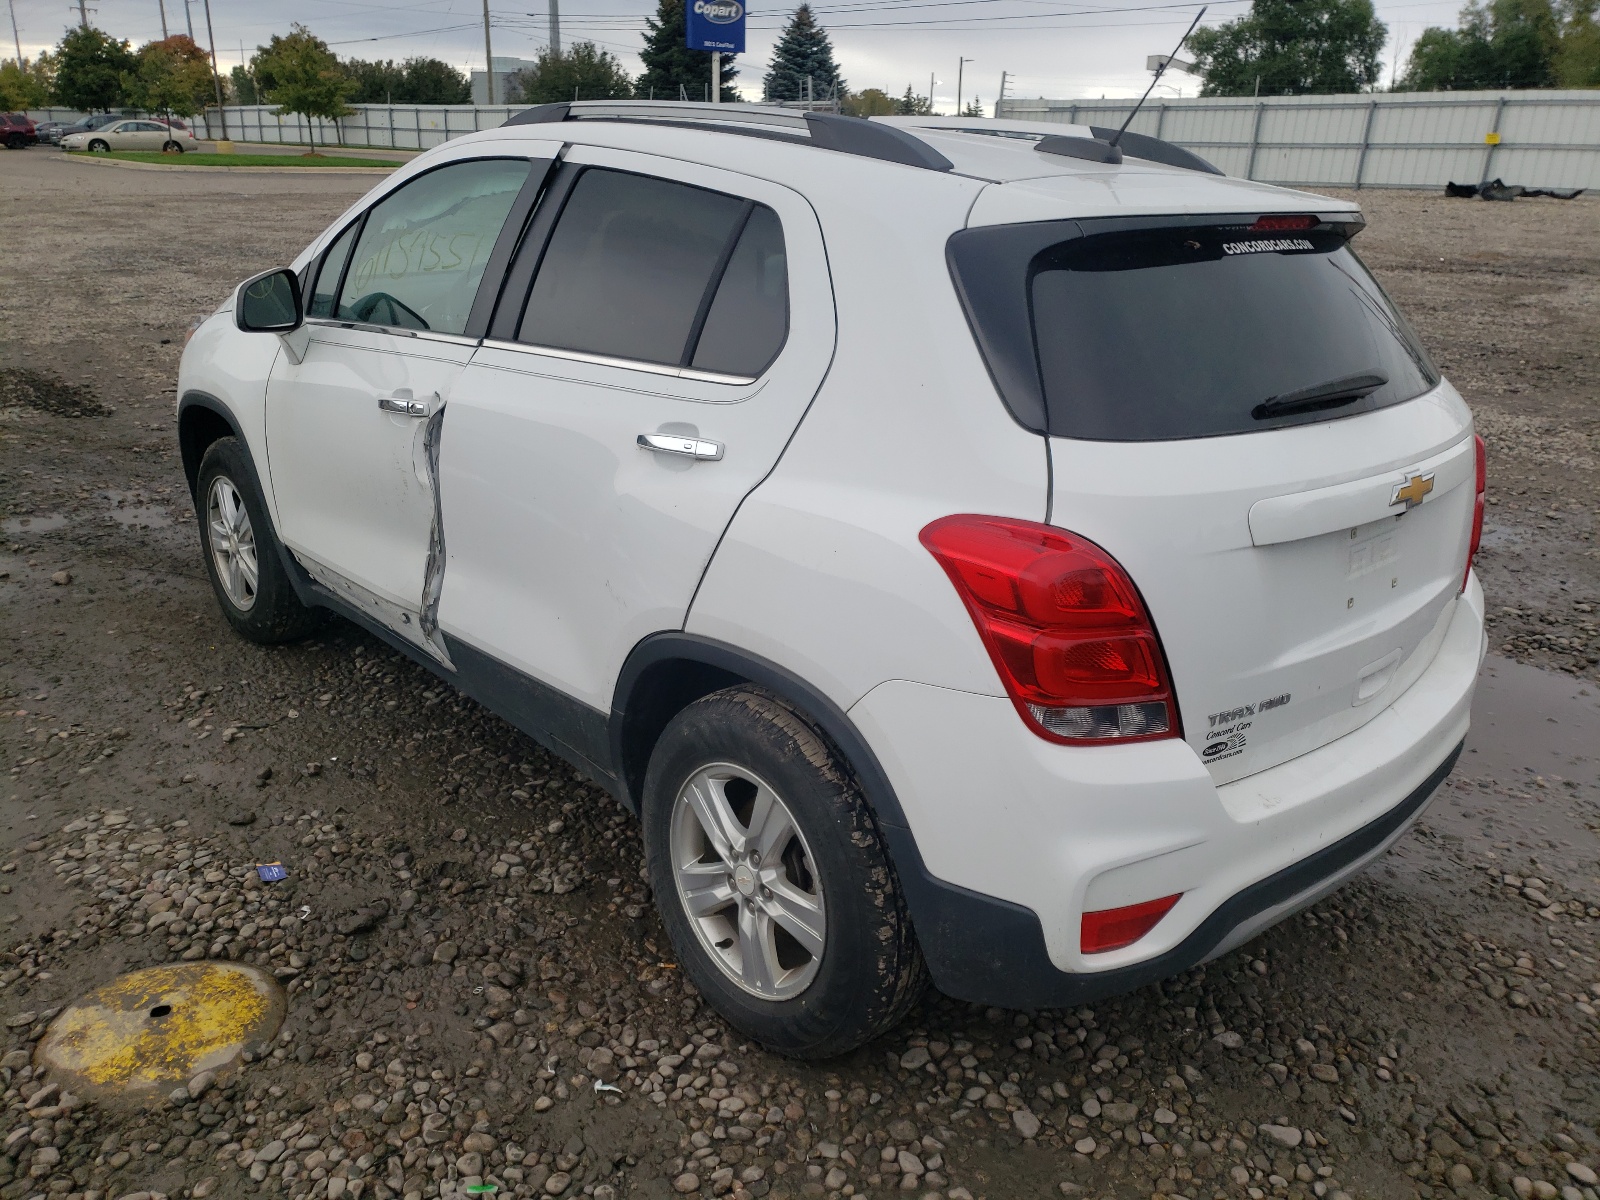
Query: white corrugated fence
[{"x": 1401, "y": 139}]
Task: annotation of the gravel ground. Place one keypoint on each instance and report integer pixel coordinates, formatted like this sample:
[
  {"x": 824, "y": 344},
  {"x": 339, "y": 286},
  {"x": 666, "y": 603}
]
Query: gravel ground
[{"x": 478, "y": 987}]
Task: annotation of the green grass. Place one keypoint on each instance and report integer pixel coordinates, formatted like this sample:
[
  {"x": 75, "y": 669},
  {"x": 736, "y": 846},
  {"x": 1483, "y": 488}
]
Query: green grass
[{"x": 244, "y": 160}]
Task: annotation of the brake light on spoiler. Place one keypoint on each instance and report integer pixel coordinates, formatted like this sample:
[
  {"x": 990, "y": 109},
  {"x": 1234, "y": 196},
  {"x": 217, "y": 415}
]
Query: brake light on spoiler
[{"x": 1065, "y": 627}]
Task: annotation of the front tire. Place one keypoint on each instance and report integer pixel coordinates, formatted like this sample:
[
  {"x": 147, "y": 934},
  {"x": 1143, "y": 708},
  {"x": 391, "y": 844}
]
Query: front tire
[
  {"x": 241, "y": 551},
  {"x": 99, "y": 147},
  {"x": 773, "y": 879}
]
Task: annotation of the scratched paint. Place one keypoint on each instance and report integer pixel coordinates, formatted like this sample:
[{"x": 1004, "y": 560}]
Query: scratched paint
[{"x": 162, "y": 1026}]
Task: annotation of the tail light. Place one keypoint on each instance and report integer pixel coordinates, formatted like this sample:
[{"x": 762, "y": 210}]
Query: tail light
[
  {"x": 1481, "y": 462},
  {"x": 1114, "y": 928},
  {"x": 1264, "y": 224},
  {"x": 1065, "y": 626}
]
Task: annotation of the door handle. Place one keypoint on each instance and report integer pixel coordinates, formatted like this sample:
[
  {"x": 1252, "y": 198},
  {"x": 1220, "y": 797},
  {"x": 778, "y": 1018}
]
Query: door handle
[
  {"x": 672, "y": 443},
  {"x": 402, "y": 403}
]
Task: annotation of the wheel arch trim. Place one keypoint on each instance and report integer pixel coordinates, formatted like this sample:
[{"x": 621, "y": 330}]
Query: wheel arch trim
[{"x": 195, "y": 400}]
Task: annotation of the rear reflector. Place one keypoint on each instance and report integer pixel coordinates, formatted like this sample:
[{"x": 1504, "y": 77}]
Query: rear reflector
[
  {"x": 1114, "y": 928},
  {"x": 1481, "y": 463}
]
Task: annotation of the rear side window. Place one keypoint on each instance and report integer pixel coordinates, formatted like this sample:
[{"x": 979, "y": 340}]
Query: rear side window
[
  {"x": 422, "y": 250},
  {"x": 1199, "y": 330},
  {"x": 652, "y": 270}
]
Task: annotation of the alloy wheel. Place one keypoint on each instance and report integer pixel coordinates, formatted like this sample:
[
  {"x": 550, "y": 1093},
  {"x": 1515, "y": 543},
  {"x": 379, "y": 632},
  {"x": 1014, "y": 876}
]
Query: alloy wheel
[
  {"x": 748, "y": 882},
  {"x": 233, "y": 542}
]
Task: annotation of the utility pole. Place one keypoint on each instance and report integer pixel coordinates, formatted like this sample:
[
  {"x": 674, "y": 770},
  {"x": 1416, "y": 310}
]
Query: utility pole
[
  {"x": 163, "y": 5},
  {"x": 1002, "y": 99},
  {"x": 488, "y": 57},
  {"x": 216, "y": 79},
  {"x": 716, "y": 77},
  {"x": 961, "y": 66},
  {"x": 555, "y": 27},
  {"x": 83, "y": 15},
  {"x": 15, "y": 36},
  {"x": 188, "y": 15},
  {"x": 930, "y": 93}
]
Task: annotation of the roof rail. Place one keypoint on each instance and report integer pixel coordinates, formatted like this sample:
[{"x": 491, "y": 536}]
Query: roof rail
[
  {"x": 847, "y": 135},
  {"x": 1052, "y": 141}
]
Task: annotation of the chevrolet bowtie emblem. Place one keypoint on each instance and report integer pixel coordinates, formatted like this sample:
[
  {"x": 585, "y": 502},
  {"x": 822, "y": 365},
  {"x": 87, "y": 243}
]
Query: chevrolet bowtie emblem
[{"x": 1411, "y": 492}]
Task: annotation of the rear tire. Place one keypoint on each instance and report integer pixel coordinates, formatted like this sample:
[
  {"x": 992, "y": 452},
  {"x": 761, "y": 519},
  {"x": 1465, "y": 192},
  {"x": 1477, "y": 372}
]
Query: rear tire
[
  {"x": 797, "y": 848},
  {"x": 99, "y": 147},
  {"x": 16, "y": 141},
  {"x": 241, "y": 551},
  {"x": 172, "y": 148}
]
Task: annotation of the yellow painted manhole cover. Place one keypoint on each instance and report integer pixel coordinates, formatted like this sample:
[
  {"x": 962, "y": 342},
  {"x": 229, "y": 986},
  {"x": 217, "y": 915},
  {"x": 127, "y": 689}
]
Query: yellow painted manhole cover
[{"x": 146, "y": 1032}]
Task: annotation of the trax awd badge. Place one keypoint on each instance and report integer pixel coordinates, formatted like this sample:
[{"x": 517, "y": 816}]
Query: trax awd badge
[
  {"x": 1227, "y": 735},
  {"x": 1412, "y": 491}
]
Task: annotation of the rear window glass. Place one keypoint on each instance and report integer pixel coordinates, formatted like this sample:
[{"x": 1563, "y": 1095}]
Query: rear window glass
[{"x": 1195, "y": 331}]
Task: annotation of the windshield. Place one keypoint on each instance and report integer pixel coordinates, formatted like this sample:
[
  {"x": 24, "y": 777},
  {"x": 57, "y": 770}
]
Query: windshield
[{"x": 1182, "y": 331}]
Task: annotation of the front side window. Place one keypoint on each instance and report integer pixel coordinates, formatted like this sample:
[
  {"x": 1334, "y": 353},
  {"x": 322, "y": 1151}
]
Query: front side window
[
  {"x": 326, "y": 289},
  {"x": 423, "y": 248},
  {"x": 637, "y": 269}
]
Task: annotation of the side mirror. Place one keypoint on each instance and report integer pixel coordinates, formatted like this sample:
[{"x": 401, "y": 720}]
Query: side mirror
[{"x": 269, "y": 303}]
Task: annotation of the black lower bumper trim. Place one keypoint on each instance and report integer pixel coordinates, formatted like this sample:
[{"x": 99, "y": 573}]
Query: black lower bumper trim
[{"x": 991, "y": 951}]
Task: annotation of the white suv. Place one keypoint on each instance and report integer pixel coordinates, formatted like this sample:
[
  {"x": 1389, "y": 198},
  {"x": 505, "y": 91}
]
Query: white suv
[{"x": 970, "y": 551}]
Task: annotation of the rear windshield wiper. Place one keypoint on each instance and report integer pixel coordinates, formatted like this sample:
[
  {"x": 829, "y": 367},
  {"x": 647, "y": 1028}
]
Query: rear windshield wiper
[{"x": 1334, "y": 394}]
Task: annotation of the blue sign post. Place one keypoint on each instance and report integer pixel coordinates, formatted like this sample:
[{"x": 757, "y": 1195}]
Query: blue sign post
[{"x": 716, "y": 25}]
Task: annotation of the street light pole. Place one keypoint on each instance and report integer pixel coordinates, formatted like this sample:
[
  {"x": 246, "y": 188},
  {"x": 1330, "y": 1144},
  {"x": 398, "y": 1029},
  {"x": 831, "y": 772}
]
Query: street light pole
[
  {"x": 716, "y": 77},
  {"x": 930, "y": 93},
  {"x": 961, "y": 66},
  {"x": 555, "y": 27}
]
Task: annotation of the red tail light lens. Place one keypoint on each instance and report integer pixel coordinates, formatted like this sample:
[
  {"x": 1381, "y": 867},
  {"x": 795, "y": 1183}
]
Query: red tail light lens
[
  {"x": 1114, "y": 928},
  {"x": 1064, "y": 625},
  {"x": 1285, "y": 222},
  {"x": 1481, "y": 460}
]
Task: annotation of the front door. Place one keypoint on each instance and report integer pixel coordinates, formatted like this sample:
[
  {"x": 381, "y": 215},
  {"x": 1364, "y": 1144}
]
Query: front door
[
  {"x": 352, "y": 425},
  {"x": 625, "y": 402}
]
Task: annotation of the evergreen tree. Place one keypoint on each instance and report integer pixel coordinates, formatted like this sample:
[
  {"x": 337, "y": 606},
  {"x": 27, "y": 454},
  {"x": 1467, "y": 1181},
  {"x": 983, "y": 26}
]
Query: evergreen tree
[
  {"x": 803, "y": 51},
  {"x": 974, "y": 107},
  {"x": 582, "y": 72},
  {"x": 912, "y": 105},
  {"x": 244, "y": 86},
  {"x": 669, "y": 64},
  {"x": 1292, "y": 48}
]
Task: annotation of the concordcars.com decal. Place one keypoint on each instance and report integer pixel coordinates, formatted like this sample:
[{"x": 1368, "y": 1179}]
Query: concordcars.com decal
[{"x": 1263, "y": 245}]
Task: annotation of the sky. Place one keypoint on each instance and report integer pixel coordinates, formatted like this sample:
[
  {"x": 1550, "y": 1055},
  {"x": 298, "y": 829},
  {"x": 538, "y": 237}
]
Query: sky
[{"x": 1061, "y": 49}]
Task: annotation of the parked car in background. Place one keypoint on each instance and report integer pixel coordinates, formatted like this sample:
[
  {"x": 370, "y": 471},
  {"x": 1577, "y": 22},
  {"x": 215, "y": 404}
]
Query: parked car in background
[
  {"x": 49, "y": 131},
  {"x": 88, "y": 124},
  {"x": 140, "y": 133},
  {"x": 17, "y": 131}
]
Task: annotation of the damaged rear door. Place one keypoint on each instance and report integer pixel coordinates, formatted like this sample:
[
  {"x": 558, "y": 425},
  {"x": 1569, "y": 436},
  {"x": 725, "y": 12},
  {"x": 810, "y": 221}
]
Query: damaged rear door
[{"x": 356, "y": 405}]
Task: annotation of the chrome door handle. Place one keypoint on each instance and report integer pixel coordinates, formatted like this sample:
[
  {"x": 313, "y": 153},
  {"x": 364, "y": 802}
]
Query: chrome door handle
[
  {"x": 402, "y": 403},
  {"x": 672, "y": 443}
]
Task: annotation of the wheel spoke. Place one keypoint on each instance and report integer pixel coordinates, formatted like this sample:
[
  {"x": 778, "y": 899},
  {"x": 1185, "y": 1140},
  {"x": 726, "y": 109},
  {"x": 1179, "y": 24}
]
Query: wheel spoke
[
  {"x": 219, "y": 533},
  {"x": 704, "y": 898},
  {"x": 711, "y": 809},
  {"x": 235, "y": 587},
  {"x": 771, "y": 827},
  {"x": 757, "y": 955},
  {"x": 247, "y": 566},
  {"x": 799, "y": 914}
]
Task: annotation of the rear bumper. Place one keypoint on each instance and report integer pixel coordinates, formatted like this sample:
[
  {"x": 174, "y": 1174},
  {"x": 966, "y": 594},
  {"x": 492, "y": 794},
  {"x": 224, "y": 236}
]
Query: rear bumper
[{"x": 1009, "y": 839}]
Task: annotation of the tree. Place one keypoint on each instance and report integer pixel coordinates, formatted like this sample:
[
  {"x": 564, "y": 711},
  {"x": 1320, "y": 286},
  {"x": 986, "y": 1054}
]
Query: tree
[
  {"x": 171, "y": 76},
  {"x": 913, "y": 105},
  {"x": 672, "y": 71},
  {"x": 415, "y": 81},
  {"x": 243, "y": 85},
  {"x": 803, "y": 53},
  {"x": 1292, "y": 48},
  {"x": 974, "y": 107},
  {"x": 582, "y": 72},
  {"x": 91, "y": 67},
  {"x": 27, "y": 84},
  {"x": 300, "y": 75},
  {"x": 1500, "y": 44},
  {"x": 1577, "y": 61},
  {"x": 871, "y": 102}
]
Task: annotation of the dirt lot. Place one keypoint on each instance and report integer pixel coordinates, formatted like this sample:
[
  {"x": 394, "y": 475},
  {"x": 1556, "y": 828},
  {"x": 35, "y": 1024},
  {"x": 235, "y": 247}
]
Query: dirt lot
[{"x": 464, "y": 933}]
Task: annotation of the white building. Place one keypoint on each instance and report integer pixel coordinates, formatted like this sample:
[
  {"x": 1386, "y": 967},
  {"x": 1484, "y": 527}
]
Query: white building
[{"x": 504, "y": 69}]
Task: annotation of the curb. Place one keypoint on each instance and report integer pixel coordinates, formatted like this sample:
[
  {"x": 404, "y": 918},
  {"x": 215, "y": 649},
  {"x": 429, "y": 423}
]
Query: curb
[{"x": 139, "y": 166}]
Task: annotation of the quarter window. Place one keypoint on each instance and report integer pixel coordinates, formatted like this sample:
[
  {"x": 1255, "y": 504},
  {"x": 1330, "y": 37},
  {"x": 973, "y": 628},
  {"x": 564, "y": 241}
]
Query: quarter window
[
  {"x": 633, "y": 269},
  {"x": 422, "y": 250},
  {"x": 327, "y": 285}
]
